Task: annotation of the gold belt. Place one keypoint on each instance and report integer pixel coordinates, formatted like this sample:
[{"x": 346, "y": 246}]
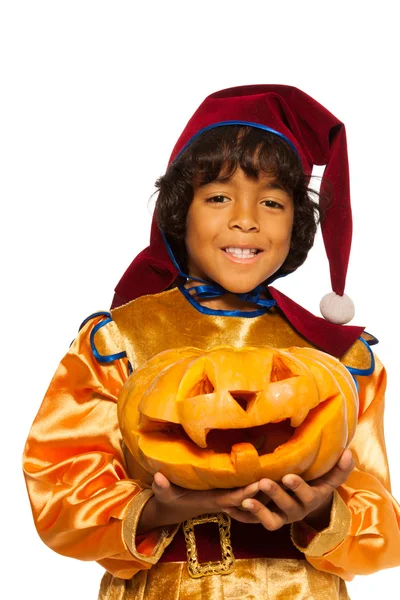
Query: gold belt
[{"x": 222, "y": 567}]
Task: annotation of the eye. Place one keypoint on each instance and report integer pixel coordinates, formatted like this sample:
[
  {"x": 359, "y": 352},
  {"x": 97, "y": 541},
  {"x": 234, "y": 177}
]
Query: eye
[
  {"x": 217, "y": 199},
  {"x": 272, "y": 204}
]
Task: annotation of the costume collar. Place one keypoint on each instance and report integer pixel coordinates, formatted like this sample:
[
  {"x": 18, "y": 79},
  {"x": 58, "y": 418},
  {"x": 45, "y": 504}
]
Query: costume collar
[{"x": 153, "y": 270}]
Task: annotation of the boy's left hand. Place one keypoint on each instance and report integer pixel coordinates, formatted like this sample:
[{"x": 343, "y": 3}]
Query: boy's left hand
[{"x": 310, "y": 501}]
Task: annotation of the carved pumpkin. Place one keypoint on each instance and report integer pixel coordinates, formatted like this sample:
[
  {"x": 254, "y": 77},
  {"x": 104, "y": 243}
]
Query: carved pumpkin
[{"x": 230, "y": 416}]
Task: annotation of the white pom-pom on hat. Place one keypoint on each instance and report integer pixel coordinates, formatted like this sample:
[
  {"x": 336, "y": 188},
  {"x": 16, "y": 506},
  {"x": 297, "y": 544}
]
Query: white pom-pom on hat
[{"x": 337, "y": 309}]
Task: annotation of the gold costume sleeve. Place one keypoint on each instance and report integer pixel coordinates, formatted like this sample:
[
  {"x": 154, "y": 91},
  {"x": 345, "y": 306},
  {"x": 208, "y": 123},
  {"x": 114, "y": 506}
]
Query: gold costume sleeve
[
  {"x": 366, "y": 537},
  {"x": 74, "y": 468}
]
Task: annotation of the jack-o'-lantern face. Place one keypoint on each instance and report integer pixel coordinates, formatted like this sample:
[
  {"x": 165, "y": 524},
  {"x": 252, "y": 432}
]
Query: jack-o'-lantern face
[{"x": 230, "y": 416}]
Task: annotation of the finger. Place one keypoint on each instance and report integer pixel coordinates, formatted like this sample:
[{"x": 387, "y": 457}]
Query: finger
[
  {"x": 289, "y": 505},
  {"x": 243, "y": 516},
  {"x": 271, "y": 520},
  {"x": 161, "y": 481},
  {"x": 309, "y": 496},
  {"x": 162, "y": 487},
  {"x": 248, "y": 492},
  {"x": 346, "y": 462},
  {"x": 235, "y": 497},
  {"x": 263, "y": 498},
  {"x": 253, "y": 491},
  {"x": 338, "y": 474}
]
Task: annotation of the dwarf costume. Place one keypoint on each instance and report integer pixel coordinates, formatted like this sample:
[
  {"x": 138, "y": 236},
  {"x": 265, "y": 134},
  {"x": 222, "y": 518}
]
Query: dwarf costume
[{"x": 86, "y": 490}]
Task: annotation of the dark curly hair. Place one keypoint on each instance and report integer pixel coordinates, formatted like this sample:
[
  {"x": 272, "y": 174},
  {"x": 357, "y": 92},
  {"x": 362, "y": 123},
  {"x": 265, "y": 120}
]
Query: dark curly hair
[{"x": 220, "y": 151}]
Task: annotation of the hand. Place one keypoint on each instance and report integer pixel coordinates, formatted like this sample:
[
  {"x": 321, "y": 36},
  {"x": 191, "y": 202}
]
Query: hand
[
  {"x": 310, "y": 501},
  {"x": 173, "y": 504}
]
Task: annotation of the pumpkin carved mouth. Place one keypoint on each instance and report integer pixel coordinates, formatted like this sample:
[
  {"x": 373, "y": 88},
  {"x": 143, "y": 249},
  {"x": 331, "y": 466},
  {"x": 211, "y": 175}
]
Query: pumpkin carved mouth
[
  {"x": 264, "y": 438},
  {"x": 230, "y": 416}
]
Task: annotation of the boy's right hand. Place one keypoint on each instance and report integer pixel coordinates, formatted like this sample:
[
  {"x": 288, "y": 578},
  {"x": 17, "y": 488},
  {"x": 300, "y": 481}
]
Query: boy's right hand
[{"x": 172, "y": 504}]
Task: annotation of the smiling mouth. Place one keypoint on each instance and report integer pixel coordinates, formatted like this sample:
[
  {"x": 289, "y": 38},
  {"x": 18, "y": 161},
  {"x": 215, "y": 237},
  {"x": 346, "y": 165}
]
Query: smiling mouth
[
  {"x": 241, "y": 254},
  {"x": 241, "y": 250}
]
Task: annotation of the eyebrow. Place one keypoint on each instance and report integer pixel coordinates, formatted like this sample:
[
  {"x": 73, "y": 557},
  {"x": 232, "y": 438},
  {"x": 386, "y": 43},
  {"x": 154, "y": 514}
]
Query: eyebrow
[{"x": 271, "y": 185}]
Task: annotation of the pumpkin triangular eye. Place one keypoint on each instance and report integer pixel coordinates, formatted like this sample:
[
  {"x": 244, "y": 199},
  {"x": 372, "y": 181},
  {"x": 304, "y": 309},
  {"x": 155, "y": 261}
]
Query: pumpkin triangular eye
[
  {"x": 243, "y": 398},
  {"x": 280, "y": 370},
  {"x": 203, "y": 386}
]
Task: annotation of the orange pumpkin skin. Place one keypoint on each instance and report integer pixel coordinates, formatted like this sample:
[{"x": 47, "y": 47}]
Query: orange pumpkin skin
[{"x": 220, "y": 418}]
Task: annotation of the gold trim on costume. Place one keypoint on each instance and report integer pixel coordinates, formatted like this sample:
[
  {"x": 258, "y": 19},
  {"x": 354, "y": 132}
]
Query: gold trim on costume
[
  {"x": 226, "y": 564},
  {"x": 327, "y": 539},
  {"x": 130, "y": 524}
]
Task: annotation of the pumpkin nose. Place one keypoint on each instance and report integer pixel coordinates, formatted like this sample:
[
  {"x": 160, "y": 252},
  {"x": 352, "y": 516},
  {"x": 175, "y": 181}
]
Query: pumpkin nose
[{"x": 244, "y": 398}]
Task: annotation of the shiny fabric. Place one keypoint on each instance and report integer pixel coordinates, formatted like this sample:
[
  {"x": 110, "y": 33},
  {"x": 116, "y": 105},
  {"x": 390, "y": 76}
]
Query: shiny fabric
[
  {"x": 175, "y": 322},
  {"x": 74, "y": 465},
  {"x": 83, "y": 489},
  {"x": 253, "y": 579}
]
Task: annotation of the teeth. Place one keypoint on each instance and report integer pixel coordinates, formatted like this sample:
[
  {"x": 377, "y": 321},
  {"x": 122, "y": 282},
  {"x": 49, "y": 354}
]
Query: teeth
[{"x": 242, "y": 252}]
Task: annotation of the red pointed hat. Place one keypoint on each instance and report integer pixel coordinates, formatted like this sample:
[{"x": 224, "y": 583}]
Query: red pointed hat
[{"x": 320, "y": 139}]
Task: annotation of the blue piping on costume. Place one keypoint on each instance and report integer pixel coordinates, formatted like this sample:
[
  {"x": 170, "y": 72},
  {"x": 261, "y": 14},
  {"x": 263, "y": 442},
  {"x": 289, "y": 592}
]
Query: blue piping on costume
[
  {"x": 213, "y": 290},
  {"x": 364, "y": 372},
  {"x": 222, "y": 313},
  {"x": 371, "y": 369},
  {"x": 372, "y": 342},
  {"x": 94, "y": 315},
  {"x": 100, "y": 357},
  {"x": 246, "y": 123}
]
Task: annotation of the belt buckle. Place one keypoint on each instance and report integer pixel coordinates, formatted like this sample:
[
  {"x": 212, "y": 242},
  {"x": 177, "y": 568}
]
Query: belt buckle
[{"x": 222, "y": 567}]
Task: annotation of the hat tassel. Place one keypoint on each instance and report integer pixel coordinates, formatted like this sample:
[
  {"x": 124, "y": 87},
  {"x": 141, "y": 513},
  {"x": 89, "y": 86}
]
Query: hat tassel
[{"x": 337, "y": 309}]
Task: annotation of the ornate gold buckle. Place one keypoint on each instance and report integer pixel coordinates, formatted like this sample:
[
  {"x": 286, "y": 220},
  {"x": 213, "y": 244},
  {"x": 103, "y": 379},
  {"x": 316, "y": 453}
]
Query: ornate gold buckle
[{"x": 226, "y": 564}]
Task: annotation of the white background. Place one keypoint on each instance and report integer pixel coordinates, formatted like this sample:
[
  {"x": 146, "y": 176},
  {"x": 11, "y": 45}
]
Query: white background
[{"x": 94, "y": 96}]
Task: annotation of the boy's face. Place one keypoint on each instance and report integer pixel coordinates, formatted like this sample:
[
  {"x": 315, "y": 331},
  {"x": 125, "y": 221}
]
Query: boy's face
[{"x": 226, "y": 220}]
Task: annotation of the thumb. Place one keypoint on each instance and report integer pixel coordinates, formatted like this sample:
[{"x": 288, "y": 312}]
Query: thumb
[
  {"x": 346, "y": 461},
  {"x": 161, "y": 486}
]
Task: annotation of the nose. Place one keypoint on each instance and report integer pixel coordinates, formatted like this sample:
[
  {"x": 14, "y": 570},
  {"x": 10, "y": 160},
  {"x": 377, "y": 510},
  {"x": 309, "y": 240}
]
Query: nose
[{"x": 244, "y": 217}]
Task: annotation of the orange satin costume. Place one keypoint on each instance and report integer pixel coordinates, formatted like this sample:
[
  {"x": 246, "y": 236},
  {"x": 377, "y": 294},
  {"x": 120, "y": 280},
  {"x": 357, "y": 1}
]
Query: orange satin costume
[{"x": 87, "y": 493}]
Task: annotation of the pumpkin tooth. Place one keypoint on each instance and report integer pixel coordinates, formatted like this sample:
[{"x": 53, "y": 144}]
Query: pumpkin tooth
[
  {"x": 298, "y": 419},
  {"x": 245, "y": 459},
  {"x": 198, "y": 435}
]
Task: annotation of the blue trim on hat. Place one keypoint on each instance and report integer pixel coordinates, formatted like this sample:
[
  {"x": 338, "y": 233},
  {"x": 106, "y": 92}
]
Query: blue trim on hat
[
  {"x": 247, "y": 123},
  {"x": 223, "y": 313},
  {"x": 174, "y": 262},
  {"x": 177, "y": 267}
]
